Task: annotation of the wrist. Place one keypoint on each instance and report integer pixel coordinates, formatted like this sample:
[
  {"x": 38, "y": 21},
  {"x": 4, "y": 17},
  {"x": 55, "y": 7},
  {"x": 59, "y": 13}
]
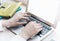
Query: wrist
[{"x": 5, "y": 23}]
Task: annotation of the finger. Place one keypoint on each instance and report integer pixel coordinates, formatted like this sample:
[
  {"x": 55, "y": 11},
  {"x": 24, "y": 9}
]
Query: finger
[
  {"x": 21, "y": 23},
  {"x": 26, "y": 18},
  {"x": 38, "y": 26},
  {"x": 26, "y": 14},
  {"x": 39, "y": 29},
  {"x": 36, "y": 31},
  {"x": 33, "y": 22}
]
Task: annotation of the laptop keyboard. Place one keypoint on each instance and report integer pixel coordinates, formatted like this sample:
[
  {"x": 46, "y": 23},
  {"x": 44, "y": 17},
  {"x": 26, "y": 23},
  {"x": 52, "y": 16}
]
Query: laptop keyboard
[{"x": 45, "y": 29}]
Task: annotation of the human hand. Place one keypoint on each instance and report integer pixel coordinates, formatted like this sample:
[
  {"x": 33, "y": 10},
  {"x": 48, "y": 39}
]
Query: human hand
[
  {"x": 30, "y": 30},
  {"x": 14, "y": 21}
]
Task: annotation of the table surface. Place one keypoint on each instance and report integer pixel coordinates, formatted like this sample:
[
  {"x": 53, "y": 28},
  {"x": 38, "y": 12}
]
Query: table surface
[{"x": 57, "y": 32}]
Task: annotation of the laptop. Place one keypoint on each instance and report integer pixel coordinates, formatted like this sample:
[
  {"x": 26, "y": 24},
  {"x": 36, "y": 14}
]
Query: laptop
[{"x": 41, "y": 13}]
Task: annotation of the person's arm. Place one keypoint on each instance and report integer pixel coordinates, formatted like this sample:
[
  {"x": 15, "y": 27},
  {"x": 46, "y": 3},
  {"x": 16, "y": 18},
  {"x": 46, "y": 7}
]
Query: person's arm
[{"x": 1, "y": 26}]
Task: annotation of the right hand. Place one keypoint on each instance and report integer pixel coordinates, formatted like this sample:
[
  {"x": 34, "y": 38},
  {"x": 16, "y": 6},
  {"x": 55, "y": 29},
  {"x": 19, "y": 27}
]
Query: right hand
[{"x": 30, "y": 30}]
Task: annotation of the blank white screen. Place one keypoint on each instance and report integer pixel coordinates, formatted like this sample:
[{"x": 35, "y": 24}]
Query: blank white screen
[{"x": 45, "y": 9}]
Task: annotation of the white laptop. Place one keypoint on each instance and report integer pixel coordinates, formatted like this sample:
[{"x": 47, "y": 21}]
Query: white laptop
[{"x": 43, "y": 12}]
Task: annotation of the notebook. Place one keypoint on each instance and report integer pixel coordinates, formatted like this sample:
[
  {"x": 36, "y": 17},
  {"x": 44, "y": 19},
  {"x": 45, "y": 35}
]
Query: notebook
[{"x": 8, "y": 10}]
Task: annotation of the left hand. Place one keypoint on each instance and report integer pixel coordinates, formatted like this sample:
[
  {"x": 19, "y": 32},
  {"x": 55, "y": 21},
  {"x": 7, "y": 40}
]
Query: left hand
[{"x": 14, "y": 21}]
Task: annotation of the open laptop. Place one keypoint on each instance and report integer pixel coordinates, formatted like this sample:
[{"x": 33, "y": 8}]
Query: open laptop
[{"x": 43, "y": 14}]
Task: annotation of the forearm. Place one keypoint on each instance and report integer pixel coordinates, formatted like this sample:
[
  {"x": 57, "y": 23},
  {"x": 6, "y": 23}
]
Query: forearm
[
  {"x": 1, "y": 26},
  {"x": 5, "y": 23}
]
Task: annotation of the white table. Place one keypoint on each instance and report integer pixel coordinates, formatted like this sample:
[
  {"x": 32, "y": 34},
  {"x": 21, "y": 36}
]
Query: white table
[
  {"x": 57, "y": 32},
  {"x": 7, "y": 35}
]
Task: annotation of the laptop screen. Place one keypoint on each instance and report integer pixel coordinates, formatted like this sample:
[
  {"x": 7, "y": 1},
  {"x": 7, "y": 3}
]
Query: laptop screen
[{"x": 45, "y": 9}]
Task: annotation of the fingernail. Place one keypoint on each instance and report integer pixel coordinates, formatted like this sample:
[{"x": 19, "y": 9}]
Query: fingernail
[
  {"x": 24, "y": 22},
  {"x": 40, "y": 29}
]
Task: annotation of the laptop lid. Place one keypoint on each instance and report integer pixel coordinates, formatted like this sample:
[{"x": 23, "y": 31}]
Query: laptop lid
[{"x": 45, "y": 9}]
